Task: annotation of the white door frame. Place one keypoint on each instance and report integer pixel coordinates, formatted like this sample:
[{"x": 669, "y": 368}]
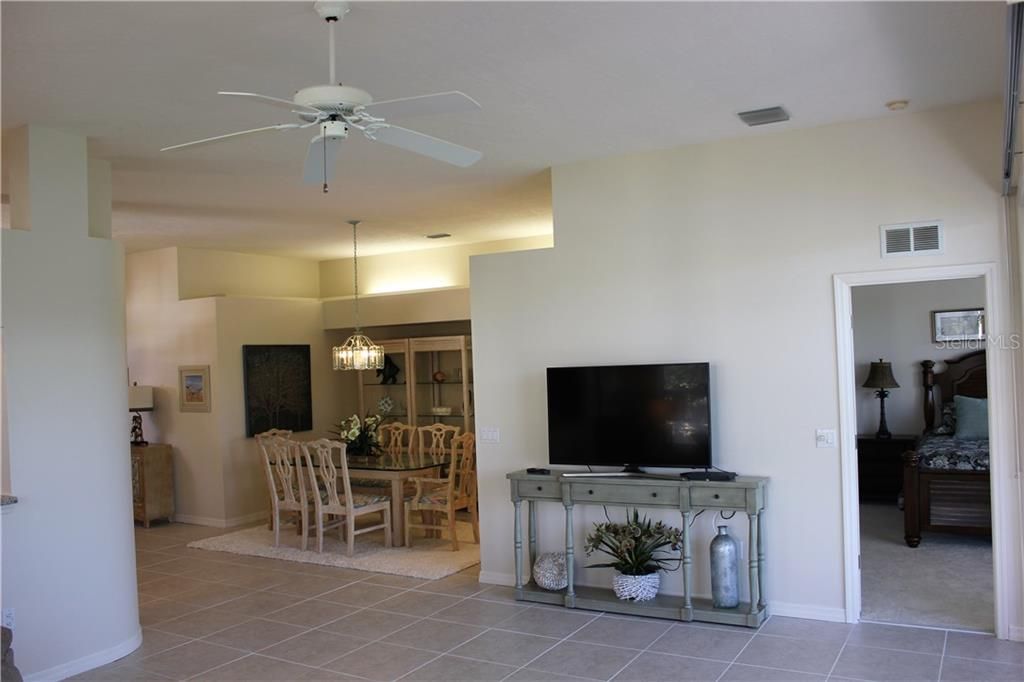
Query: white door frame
[{"x": 1002, "y": 430}]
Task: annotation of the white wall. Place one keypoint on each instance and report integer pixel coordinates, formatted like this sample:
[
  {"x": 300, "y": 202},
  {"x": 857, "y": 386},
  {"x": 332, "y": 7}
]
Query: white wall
[
  {"x": 725, "y": 253},
  {"x": 68, "y": 560},
  {"x": 164, "y": 333},
  {"x": 893, "y": 321},
  {"x": 206, "y": 272}
]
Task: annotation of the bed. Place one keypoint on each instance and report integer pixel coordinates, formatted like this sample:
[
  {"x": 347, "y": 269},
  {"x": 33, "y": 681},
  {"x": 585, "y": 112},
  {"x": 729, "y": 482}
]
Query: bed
[{"x": 946, "y": 479}]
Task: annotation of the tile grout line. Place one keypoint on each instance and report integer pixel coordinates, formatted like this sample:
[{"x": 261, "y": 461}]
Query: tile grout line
[
  {"x": 642, "y": 651},
  {"x": 942, "y": 660},
  {"x": 559, "y": 642},
  {"x": 849, "y": 633},
  {"x": 744, "y": 648}
]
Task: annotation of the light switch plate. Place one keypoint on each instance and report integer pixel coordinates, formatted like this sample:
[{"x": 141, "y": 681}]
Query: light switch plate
[
  {"x": 825, "y": 438},
  {"x": 489, "y": 434}
]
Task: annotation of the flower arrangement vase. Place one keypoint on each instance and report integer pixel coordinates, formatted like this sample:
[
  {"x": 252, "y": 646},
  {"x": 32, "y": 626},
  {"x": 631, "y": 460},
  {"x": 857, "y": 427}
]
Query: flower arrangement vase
[{"x": 636, "y": 587}]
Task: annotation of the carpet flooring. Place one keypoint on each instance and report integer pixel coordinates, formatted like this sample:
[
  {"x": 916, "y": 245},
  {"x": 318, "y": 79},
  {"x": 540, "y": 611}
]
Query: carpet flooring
[
  {"x": 428, "y": 558},
  {"x": 945, "y": 582}
]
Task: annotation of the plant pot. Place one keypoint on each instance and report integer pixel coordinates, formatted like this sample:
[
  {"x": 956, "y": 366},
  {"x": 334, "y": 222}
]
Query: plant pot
[{"x": 636, "y": 587}]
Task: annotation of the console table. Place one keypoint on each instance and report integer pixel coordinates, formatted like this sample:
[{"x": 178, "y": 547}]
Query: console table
[{"x": 745, "y": 494}]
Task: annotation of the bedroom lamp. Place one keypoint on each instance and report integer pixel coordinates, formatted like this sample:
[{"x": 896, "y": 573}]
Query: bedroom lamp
[
  {"x": 358, "y": 351},
  {"x": 880, "y": 377},
  {"x": 140, "y": 399}
]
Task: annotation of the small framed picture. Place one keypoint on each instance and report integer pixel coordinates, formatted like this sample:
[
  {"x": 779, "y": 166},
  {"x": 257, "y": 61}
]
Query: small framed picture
[
  {"x": 194, "y": 388},
  {"x": 958, "y": 325}
]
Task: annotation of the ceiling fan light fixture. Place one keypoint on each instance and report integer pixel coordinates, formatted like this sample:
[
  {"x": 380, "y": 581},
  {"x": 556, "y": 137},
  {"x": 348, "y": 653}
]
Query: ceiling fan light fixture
[{"x": 358, "y": 351}]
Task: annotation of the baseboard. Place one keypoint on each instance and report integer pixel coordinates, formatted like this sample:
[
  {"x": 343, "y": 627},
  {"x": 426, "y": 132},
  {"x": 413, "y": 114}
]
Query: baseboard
[
  {"x": 809, "y": 611},
  {"x": 80, "y": 665},
  {"x": 215, "y": 522},
  {"x": 1016, "y": 632},
  {"x": 495, "y": 578}
]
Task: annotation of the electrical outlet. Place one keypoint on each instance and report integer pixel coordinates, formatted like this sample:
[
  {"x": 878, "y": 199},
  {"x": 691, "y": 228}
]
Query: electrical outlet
[
  {"x": 489, "y": 434},
  {"x": 8, "y": 618},
  {"x": 825, "y": 438}
]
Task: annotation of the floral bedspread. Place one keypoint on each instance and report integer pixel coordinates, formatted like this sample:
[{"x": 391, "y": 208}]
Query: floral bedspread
[{"x": 947, "y": 452}]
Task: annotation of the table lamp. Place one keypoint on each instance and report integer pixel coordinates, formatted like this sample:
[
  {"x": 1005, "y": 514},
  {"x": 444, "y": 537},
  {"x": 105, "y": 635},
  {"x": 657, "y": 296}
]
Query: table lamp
[
  {"x": 880, "y": 377},
  {"x": 140, "y": 399}
]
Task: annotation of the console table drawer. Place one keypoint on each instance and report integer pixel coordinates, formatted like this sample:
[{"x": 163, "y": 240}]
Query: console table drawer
[
  {"x": 653, "y": 495},
  {"x": 718, "y": 497},
  {"x": 546, "y": 489}
]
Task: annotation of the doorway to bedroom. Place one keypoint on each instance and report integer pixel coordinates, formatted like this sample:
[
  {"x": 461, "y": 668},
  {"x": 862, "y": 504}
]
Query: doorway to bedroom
[{"x": 923, "y": 491}]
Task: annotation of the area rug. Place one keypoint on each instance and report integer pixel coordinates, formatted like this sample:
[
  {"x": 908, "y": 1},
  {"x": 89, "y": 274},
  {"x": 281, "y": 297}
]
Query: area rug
[
  {"x": 428, "y": 558},
  {"x": 945, "y": 582}
]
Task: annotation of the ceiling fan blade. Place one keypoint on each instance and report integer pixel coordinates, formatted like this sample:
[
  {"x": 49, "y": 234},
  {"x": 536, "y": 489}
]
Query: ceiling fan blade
[
  {"x": 206, "y": 140},
  {"x": 276, "y": 101},
  {"x": 317, "y": 169},
  {"x": 424, "y": 105},
  {"x": 427, "y": 145}
]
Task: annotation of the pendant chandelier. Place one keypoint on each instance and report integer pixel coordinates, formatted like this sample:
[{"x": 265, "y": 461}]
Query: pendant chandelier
[{"x": 358, "y": 352}]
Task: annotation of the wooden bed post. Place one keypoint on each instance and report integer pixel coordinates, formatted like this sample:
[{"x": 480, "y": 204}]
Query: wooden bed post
[{"x": 928, "y": 381}]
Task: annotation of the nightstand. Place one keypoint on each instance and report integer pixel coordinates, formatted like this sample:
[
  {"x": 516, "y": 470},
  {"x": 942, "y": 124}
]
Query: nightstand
[{"x": 880, "y": 466}]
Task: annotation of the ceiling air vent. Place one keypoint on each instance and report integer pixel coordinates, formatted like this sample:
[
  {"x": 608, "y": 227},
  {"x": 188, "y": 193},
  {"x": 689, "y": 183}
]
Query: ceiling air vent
[
  {"x": 911, "y": 239},
  {"x": 760, "y": 117}
]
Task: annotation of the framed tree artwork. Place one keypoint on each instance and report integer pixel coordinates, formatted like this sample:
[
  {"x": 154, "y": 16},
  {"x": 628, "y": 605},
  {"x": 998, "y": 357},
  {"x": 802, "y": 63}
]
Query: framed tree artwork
[
  {"x": 278, "y": 390},
  {"x": 194, "y": 388}
]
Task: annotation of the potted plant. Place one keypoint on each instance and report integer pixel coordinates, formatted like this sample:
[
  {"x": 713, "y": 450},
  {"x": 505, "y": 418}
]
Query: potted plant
[
  {"x": 360, "y": 436},
  {"x": 639, "y": 549}
]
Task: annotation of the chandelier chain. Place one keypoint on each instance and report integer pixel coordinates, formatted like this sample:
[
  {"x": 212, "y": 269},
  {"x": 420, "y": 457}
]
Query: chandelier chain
[{"x": 355, "y": 270}]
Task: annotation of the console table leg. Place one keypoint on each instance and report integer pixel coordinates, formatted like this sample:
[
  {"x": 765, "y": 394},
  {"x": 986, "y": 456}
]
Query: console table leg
[
  {"x": 570, "y": 551},
  {"x": 687, "y": 563},
  {"x": 760, "y": 560},
  {"x": 518, "y": 535},
  {"x": 532, "y": 512},
  {"x": 752, "y": 551}
]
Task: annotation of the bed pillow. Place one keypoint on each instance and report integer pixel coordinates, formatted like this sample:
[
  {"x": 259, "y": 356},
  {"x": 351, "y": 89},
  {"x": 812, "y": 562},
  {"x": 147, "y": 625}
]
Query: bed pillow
[
  {"x": 971, "y": 418},
  {"x": 947, "y": 427}
]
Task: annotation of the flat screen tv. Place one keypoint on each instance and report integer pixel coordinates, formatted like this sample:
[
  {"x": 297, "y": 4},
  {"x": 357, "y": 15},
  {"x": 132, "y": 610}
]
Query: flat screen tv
[{"x": 630, "y": 415}]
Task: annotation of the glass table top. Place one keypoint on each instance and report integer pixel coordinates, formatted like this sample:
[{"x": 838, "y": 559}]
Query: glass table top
[{"x": 403, "y": 462}]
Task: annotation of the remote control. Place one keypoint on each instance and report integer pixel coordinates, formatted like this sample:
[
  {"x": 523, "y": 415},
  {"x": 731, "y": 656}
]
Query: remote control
[{"x": 538, "y": 470}]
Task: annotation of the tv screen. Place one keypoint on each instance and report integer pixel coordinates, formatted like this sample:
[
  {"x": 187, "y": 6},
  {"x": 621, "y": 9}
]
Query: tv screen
[{"x": 631, "y": 415}]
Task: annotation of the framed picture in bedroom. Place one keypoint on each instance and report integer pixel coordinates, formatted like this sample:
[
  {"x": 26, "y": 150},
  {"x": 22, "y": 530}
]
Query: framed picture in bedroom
[
  {"x": 194, "y": 388},
  {"x": 958, "y": 325},
  {"x": 278, "y": 389}
]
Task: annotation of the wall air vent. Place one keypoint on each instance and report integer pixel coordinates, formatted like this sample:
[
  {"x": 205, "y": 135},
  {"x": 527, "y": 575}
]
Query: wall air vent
[
  {"x": 911, "y": 239},
  {"x": 760, "y": 117},
  {"x": 437, "y": 235}
]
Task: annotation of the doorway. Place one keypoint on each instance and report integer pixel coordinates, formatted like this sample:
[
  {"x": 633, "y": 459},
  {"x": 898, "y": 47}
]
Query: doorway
[
  {"x": 941, "y": 577},
  {"x": 851, "y": 377}
]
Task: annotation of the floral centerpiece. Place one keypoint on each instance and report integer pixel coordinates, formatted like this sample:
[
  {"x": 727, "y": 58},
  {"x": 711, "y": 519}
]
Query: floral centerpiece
[
  {"x": 360, "y": 435},
  {"x": 638, "y": 548}
]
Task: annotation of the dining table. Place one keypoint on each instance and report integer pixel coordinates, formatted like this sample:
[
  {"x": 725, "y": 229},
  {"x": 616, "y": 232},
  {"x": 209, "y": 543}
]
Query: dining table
[{"x": 396, "y": 468}]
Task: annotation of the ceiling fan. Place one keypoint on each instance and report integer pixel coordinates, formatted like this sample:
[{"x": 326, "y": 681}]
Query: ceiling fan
[{"x": 337, "y": 109}]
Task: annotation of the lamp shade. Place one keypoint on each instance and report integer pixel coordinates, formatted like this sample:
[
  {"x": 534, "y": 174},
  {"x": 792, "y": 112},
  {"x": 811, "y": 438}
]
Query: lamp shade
[
  {"x": 881, "y": 376},
  {"x": 140, "y": 398}
]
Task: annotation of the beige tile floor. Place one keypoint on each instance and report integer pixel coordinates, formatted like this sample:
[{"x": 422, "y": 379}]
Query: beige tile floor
[{"x": 215, "y": 616}]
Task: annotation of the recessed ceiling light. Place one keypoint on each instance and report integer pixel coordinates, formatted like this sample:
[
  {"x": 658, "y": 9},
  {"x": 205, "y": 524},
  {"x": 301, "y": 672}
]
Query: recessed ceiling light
[
  {"x": 760, "y": 117},
  {"x": 437, "y": 235},
  {"x": 897, "y": 104}
]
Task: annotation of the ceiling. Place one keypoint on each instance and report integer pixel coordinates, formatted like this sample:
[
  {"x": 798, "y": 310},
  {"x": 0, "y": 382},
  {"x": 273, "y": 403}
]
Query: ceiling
[{"x": 558, "y": 82}]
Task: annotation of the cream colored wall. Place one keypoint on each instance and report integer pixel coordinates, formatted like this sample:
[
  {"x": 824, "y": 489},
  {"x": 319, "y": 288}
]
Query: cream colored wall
[
  {"x": 435, "y": 268},
  {"x": 893, "y": 321},
  {"x": 725, "y": 253},
  {"x": 68, "y": 560},
  {"x": 205, "y": 272},
  {"x": 242, "y": 321},
  {"x": 163, "y": 334},
  {"x": 414, "y": 307}
]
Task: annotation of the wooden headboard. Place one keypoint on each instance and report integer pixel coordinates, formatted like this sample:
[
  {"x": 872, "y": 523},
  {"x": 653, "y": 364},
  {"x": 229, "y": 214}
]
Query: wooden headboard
[{"x": 963, "y": 376}]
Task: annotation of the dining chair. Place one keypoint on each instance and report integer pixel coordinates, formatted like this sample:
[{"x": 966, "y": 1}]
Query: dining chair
[
  {"x": 271, "y": 433},
  {"x": 396, "y": 438},
  {"x": 435, "y": 439},
  {"x": 447, "y": 495},
  {"x": 325, "y": 480},
  {"x": 284, "y": 482}
]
